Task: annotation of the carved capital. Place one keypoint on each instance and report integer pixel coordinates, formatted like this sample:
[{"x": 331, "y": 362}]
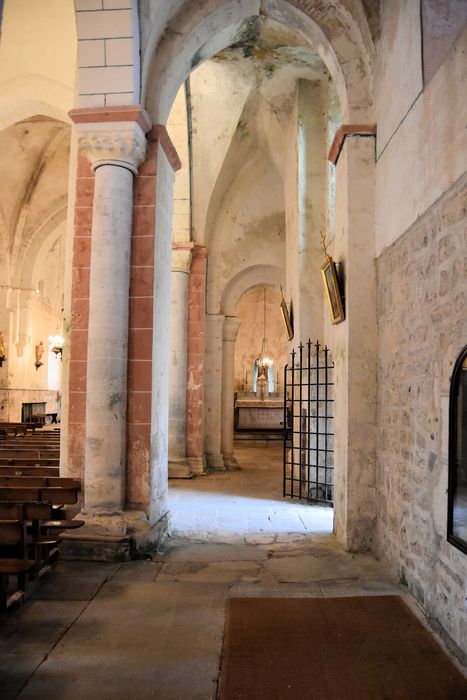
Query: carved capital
[
  {"x": 230, "y": 329},
  {"x": 181, "y": 257},
  {"x": 120, "y": 143}
]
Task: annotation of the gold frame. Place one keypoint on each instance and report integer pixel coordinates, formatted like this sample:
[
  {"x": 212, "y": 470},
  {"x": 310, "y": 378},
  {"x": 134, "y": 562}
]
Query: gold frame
[
  {"x": 287, "y": 319},
  {"x": 331, "y": 287}
]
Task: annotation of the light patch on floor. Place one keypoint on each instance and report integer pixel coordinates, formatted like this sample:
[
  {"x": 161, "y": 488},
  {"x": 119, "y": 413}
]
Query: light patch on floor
[{"x": 232, "y": 506}]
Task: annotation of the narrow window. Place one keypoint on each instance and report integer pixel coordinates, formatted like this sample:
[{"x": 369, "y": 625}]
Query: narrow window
[{"x": 457, "y": 489}]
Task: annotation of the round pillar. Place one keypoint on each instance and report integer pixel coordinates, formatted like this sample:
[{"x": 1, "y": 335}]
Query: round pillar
[
  {"x": 115, "y": 150},
  {"x": 229, "y": 336},
  {"x": 181, "y": 262}
]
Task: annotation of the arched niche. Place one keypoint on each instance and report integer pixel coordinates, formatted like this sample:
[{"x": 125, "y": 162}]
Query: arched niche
[{"x": 255, "y": 276}]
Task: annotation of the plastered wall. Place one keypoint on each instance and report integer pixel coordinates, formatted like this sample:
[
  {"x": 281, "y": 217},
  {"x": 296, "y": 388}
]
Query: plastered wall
[{"x": 421, "y": 142}]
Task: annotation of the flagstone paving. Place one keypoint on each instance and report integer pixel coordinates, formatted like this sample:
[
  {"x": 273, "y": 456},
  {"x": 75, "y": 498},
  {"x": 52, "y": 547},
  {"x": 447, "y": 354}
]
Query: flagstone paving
[{"x": 153, "y": 628}]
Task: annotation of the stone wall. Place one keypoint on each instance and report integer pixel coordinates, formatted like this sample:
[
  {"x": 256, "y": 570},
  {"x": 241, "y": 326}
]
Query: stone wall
[{"x": 422, "y": 328}]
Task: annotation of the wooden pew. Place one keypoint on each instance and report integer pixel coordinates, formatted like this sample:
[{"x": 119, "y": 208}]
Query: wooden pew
[
  {"x": 30, "y": 455},
  {"x": 11, "y": 428},
  {"x": 38, "y": 481},
  {"x": 27, "y": 462},
  {"x": 9, "y": 470},
  {"x": 44, "y": 545},
  {"x": 56, "y": 495},
  {"x": 29, "y": 440},
  {"x": 12, "y": 534}
]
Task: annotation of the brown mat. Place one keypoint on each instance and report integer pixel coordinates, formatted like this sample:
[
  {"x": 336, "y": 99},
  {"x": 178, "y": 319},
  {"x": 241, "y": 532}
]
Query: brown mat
[{"x": 368, "y": 648}]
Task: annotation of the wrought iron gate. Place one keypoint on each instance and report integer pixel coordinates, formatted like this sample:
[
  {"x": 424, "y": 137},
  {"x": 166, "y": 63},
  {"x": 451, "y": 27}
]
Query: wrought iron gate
[{"x": 308, "y": 442}]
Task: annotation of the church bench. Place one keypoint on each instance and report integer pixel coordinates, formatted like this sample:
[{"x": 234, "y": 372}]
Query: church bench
[
  {"x": 11, "y": 428},
  {"x": 30, "y": 440},
  {"x": 27, "y": 461},
  {"x": 10, "y": 470},
  {"x": 30, "y": 451},
  {"x": 41, "y": 532},
  {"x": 56, "y": 495},
  {"x": 40, "y": 481},
  {"x": 12, "y": 534},
  {"x": 26, "y": 454}
]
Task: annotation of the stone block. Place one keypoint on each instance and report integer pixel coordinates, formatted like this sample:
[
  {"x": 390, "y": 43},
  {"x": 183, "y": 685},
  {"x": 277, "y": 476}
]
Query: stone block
[
  {"x": 119, "y": 52},
  {"x": 105, "y": 24},
  {"x": 107, "y": 79},
  {"x": 91, "y": 53}
]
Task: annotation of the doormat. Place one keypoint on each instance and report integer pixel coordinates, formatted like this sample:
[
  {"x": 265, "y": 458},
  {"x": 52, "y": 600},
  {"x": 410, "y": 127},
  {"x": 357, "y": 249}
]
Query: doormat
[{"x": 361, "y": 648}]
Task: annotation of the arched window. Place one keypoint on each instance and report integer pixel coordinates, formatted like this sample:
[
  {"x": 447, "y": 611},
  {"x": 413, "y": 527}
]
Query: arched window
[{"x": 457, "y": 489}]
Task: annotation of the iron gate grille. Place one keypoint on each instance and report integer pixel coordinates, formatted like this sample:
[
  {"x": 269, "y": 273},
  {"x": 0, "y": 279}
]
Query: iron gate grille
[{"x": 308, "y": 442}]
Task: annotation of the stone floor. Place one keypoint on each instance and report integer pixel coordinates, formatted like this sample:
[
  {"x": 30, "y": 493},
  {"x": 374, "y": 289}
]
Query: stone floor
[
  {"x": 235, "y": 505},
  {"x": 154, "y": 628}
]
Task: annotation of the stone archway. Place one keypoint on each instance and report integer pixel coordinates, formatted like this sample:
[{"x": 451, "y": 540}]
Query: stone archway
[
  {"x": 172, "y": 44},
  {"x": 342, "y": 38}
]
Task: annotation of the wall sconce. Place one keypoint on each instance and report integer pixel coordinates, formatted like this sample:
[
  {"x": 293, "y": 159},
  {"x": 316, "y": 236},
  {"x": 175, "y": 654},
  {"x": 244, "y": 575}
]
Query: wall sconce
[
  {"x": 56, "y": 344},
  {"x": 39, "y": 352},
  {"x": 2, "y": 349}
]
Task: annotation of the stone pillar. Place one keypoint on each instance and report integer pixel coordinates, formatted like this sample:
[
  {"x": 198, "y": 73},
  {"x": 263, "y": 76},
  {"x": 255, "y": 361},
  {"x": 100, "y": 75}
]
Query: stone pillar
[
  {"x": 355, "y": 341},
  {"x": 195, "y": 360},
  {"x": 181, "y": 263},
  {"x": 229, "y": 336},
  {"x": 115, "y": 144},
  {"x": 212, "y": 390}
]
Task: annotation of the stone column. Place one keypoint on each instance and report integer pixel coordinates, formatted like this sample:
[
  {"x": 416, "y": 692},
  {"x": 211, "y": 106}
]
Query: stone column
[
  {"x": 355, "y": 341},
  {"x": 115, "y": 145},
  {"x": 229, "y": 336},
  {"x": 181, "y": 263},
  {"x": 195, "y": 360},
  {"x": 213, "y": 390}
]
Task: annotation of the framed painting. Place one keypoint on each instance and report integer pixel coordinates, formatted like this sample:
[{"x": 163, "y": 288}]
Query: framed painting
[
  {"x": 332, "y": 291},
  {"x": 287, "y": 319}
]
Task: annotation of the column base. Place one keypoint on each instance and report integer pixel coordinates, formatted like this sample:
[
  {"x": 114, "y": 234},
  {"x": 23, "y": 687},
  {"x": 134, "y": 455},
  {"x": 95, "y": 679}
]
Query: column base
[
  {"x": 230, "y": 462},
  {"x": 215, "y": 462},
  {"x": 180, "y": 469},
  {"x": 197, "y": 465},
  {"x": 118, "y": 537}
]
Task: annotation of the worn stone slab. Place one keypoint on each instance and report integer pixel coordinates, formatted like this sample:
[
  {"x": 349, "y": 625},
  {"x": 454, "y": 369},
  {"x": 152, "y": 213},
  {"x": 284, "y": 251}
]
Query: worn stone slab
[
  {"x": 260, "y": 538},
  {"x": 360, "y": 587},
  {"x": 75, "y": 580},
  {"x": 138, "y": 570},
  {"x": 138, "y": 641},
  {"x": 278, "y": 590},
  {"x": 35, "y": 639},
  {"x": 316, "y": 568},
  {"x": 37, "y": 626},
  {"x": 213, "y": 572},
  {"x": 50, "y": 612},
  {"x": 209, "y": 552},
  {"x": 15, "y": 670}
]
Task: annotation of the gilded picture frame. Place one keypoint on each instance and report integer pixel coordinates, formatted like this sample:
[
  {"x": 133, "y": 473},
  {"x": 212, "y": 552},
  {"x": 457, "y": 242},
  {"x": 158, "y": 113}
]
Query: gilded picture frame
[
  {"x": 332, "y": 291},
  {"x": 287, "y": 319}
]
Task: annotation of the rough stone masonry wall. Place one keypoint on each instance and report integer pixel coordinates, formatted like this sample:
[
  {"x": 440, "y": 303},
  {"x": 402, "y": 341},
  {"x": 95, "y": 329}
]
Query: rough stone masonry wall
[{"x": 422, "y": 328}]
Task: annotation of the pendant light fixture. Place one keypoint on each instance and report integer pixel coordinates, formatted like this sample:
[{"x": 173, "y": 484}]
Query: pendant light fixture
[{"x": 264, "y": 360}]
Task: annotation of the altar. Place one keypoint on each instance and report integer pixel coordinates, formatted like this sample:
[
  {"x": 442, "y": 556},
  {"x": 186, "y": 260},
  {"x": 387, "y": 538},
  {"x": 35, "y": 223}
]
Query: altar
[{"x": 252, "y": 413}]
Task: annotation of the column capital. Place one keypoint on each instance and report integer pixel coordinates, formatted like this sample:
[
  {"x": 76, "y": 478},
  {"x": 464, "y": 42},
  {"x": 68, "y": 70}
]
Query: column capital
[
  {"x": 348, "y": 130},
  {"x": 230, "y": 328},
  {"x": 181, "y": 257},
  {"x": 200, "y": 251},
  {"x": 112, "y": 135}
]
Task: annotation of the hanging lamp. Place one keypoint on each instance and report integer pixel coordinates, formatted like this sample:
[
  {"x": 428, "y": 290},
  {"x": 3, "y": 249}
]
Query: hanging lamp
[{"x": 263, "y": 359}]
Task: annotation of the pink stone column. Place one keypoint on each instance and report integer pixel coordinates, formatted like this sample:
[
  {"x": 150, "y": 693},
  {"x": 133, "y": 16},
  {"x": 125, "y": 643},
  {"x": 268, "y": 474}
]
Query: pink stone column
[{"x": 195, "y": 360}]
